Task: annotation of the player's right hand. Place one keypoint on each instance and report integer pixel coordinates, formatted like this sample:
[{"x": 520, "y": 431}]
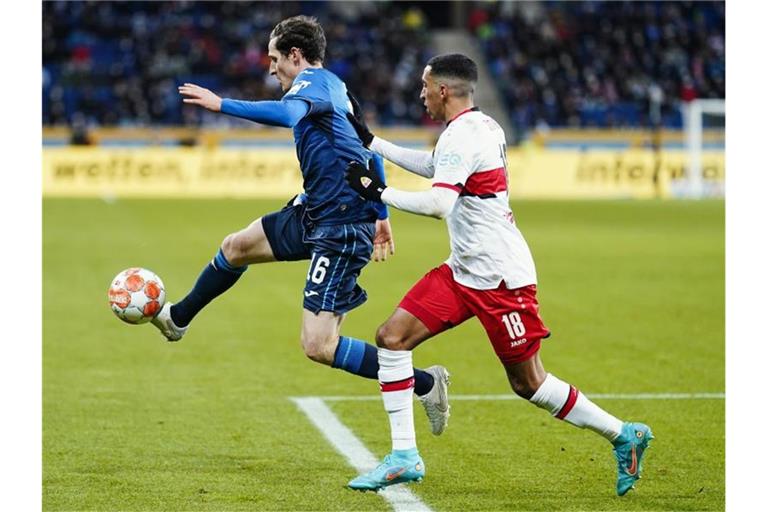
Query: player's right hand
[
  {"x": 200, "y": 96},
  {"x": 357, "y": 119},
  {"x": 383, "y": 241}
]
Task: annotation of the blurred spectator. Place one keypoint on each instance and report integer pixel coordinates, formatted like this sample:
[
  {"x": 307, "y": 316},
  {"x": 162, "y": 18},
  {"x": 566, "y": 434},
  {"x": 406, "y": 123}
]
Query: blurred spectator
[
  {"x": 79, "y": 134},
  {"x": 586, "y": 64},
  {"x": 119, "y": 63}
]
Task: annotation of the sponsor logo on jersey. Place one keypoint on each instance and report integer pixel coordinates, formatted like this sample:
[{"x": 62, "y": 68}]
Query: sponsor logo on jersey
[
  {"x": 449, "y": 159},
  {"x": 518, "y": 342},
  {"x": 297, "y": 86}
]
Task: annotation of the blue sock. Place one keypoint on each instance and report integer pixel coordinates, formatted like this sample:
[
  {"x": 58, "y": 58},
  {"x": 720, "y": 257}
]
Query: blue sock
[
  {"x": 423, "y": 382},
  {"x": 361, "y": 358},
  {"x": 357, "y": 357},
  {"x": 216, "y": 278}
]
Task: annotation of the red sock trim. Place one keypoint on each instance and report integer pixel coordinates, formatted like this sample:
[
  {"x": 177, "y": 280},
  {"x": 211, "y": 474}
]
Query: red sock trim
[
  {"x": 573, "y": 394},
  {"x": 398, "y": 386}
]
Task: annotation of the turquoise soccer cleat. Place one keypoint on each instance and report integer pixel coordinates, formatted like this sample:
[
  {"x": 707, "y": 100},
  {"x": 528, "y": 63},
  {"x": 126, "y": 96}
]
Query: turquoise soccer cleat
[
  {"x": 629, "y": 449},
  {"x": 398, "y": 467}
]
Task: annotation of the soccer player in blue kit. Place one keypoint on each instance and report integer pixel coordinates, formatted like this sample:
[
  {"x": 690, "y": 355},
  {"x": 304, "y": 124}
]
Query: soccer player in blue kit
[{"x": 332, "y": 226}]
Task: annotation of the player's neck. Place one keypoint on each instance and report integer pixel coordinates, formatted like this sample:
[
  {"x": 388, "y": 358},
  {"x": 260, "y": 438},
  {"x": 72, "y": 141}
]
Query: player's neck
[
  {"x": 455, "y": 108},
  {"x": 306, "y": 65}
]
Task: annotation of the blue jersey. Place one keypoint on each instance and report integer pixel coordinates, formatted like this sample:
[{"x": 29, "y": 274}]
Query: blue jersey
[{"x": 325, "y": 143}]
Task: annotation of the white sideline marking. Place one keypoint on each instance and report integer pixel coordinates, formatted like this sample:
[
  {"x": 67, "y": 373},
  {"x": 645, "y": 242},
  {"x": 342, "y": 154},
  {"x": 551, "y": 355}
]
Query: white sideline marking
[
  {"x": 598, "y": 396},
  {"x": 357, "y": 455},
  {"x": 360, "y": 458}
]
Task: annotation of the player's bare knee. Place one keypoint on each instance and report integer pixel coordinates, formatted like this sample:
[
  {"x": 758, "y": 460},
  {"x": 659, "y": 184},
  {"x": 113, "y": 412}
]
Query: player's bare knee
[
  {"x": 390, "y": 338},
  {"x": 316, "y": 349},
  {"x": 524, "y": 391},
  {"x": 312, "y": 351},
  {"x": 523, "y": 386},
  {"x": 234, "y": 249},
  {"x": 228, "y": 246}
]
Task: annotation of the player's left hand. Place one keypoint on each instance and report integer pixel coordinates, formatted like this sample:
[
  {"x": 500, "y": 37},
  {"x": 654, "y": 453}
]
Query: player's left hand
[
  {"x": 383, "y": 241},
  {"x": 365, "y": 181},
  {"x": 200, "y": 96}
]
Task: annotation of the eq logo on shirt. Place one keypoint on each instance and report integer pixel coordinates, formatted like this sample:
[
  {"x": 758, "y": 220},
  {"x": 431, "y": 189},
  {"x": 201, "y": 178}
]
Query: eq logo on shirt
[{"x": 449, "y": 159}]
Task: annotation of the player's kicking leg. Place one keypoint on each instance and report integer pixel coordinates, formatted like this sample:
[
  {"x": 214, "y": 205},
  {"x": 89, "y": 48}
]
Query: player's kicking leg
[
  {"x": 565, "y": 402},
  {"x": 238, "y": 250}
]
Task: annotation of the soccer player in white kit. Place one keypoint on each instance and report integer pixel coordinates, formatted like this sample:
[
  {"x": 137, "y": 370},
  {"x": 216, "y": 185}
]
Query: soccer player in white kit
[{"x": 489, "y": 274}]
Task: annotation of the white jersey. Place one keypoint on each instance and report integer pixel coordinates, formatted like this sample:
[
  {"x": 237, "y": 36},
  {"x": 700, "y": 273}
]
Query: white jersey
[{"x": 486, "y": 245}]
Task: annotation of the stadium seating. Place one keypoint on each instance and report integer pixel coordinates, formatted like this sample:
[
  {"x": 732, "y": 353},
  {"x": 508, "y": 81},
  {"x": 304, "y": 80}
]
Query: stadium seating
[
  {"x": 557, "y": 64},
  {"x": 591, "y": 64},
  {"x": 118, "y": 63}
]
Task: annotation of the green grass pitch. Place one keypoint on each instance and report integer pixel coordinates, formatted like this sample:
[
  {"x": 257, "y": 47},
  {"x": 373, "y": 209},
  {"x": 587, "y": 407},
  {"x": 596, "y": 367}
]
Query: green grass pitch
[{"x": 632, "y": 291}]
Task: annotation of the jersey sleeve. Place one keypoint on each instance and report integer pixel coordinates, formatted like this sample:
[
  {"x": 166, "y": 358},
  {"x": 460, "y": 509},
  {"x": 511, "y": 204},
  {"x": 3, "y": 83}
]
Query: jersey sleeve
[
  {"x": 312, "y": 88},
  {"x": 378, "y": 165},
  {"x": 454, "y": 160},
  {"x": 274, "y": 113}
]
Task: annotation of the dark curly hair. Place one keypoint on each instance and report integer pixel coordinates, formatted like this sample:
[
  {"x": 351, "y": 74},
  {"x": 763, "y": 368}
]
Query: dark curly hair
[{"x": 302, "y": 32}]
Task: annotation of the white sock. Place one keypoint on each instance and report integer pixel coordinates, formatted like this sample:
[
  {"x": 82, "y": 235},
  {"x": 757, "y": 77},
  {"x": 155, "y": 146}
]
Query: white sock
[
  {"x": 567, "y": 403},
  {"x": 396, "y": 381}
]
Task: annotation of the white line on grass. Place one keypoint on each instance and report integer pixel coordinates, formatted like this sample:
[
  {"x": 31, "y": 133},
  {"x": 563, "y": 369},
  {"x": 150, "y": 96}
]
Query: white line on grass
[
  {"x": 358, "y": 456},
  {"x": 598, "y": 396}
]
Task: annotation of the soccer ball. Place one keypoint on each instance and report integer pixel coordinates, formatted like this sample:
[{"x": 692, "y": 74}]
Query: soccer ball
[{"x": 136, "y": 295}]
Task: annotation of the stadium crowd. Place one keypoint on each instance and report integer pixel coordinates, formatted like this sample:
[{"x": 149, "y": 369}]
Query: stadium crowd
[
  {"x": 556, "y": 64},
  {"x": 119, "y": 63},
  {"x": 592, "y": 63}
]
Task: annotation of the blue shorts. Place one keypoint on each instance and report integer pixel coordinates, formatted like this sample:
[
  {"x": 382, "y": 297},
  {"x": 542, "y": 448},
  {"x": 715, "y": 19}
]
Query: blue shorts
[{"x": 337, "y": 255}]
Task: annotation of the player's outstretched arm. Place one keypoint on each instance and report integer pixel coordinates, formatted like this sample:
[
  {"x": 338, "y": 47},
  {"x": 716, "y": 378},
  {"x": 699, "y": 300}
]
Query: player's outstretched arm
[
  {"x": 436, "y": 202},
  {"x": 412, "y": 160},
  {"x": 196, "y": 95},
  {"x": 284, "y": 113},
  {"x": 415, "y": 161}
]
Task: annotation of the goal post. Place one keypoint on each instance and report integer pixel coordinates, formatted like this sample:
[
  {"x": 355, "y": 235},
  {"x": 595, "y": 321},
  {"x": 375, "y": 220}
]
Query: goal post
[{"x": 694, "y": 115}]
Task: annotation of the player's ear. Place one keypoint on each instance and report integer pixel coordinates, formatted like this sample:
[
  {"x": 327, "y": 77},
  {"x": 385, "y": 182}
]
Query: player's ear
[{"x": 295, "y": 55}]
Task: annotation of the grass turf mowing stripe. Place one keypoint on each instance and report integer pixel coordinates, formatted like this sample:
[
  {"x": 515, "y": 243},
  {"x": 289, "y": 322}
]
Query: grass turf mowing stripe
[
  {"x": 597, "y": 396},
  {"x": 357, "y": 455}
]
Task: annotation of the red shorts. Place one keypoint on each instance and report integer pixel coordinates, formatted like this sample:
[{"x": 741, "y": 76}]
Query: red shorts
[{"x": 510, "y": 317}]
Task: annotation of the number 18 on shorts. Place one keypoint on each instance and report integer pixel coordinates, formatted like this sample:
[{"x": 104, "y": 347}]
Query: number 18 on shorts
[{"x": 510, "y": 317}]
